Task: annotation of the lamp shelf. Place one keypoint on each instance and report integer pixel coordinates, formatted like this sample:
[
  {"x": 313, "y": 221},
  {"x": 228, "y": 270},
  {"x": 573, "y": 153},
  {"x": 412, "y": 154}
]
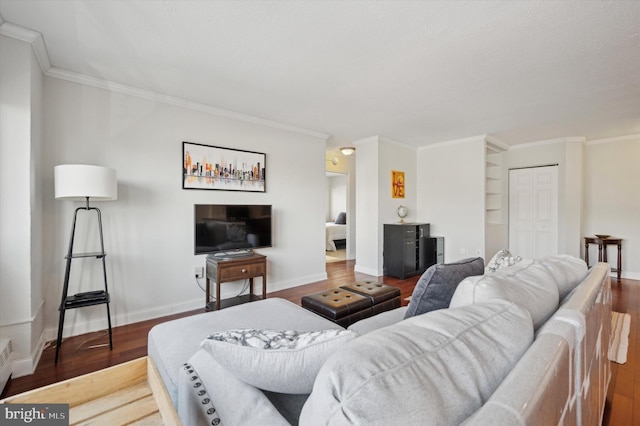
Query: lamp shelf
[
  {"x": 96, "y": 254},
  {"x": 89, "y": 298}
]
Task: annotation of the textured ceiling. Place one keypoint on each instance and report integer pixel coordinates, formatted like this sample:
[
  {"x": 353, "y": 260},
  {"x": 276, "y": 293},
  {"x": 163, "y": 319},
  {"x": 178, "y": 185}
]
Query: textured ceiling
[{"x": 418, "y": 72}]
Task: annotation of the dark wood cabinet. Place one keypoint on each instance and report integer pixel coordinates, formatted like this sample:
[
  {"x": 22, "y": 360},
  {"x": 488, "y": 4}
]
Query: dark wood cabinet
[{"x": 405, "y": 249}]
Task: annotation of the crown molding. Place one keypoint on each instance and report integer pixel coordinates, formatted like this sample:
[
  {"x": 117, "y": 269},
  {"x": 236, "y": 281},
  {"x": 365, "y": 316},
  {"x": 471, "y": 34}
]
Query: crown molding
[
  {"x": 397, "y": 143},
  {"x": 471, "y": 139},
  {"x": 37, "y": 43},
  {"x": 496, "y": 144},
  {"x": 627, "y": 138},
  {"x": 367, "y": 140},
  {"x": 548, "y": 142},
  {"x": 174, "y": 101},
  {"x": 32, "y": 37}
]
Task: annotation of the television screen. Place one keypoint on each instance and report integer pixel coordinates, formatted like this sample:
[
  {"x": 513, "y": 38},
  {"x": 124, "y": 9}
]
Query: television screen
[{"x": 231, "y": 227}]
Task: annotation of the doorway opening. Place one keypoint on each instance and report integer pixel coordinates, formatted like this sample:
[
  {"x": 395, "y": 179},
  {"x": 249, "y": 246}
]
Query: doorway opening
[{"x": 337, "y": 217}]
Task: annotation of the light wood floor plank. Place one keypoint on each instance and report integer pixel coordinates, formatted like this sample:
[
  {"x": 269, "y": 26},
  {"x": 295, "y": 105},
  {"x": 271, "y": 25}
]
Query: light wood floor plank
[{"x": 99, "y": 406}]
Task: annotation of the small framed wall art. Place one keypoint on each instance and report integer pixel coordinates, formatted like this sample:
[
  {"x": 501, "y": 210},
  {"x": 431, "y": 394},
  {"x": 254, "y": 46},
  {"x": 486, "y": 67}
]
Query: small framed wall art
[
  {"x": 397, "y": 184},
  {"x": 227, "y": 169}
]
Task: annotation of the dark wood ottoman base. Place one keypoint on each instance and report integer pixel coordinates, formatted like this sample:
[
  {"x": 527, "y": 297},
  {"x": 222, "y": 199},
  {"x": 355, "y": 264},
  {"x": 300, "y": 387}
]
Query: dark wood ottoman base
[{"x": 351, "y": 303}]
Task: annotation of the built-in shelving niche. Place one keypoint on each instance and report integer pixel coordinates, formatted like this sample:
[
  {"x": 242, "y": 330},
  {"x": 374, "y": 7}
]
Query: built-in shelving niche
[
  {"x": 493, "y": 184},
  {"x": 496, "y": 236}
]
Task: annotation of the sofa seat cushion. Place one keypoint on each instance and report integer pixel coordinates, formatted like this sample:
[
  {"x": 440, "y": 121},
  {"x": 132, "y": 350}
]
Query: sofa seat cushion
[
  {"x": 436, "y": 286},
  {"x": 527, "y": 283},
  {"x": 173, "y": 342},
  {"x": 276, "y": 360},
  {"x": 436, "y": 368}
]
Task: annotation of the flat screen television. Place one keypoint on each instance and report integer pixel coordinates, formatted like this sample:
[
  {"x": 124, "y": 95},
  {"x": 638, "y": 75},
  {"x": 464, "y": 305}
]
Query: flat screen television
[{"x": 221, "y": 229}]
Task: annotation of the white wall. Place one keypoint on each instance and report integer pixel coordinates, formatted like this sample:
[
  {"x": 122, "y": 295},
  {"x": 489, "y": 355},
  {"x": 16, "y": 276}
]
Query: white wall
[
  {"x": 377, "y": 157},
  {"x": 149, "y": 229},
  {"x": 20, "y": 209},
  {"x": 612, "y": 198},
  {"x": 367, "y": 202},
  {"x": 451, "y": 196}
]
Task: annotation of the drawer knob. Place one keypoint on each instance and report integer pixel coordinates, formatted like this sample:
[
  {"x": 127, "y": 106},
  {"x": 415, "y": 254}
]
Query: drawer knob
[{"x": 244, "y": 271}]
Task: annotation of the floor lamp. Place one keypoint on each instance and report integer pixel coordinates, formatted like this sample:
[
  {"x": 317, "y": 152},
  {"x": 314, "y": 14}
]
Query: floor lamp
[{"x": 82, "y": 182}]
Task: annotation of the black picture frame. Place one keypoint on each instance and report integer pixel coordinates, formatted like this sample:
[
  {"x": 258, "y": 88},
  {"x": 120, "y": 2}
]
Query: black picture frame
[{"x": 224, "y": 169}]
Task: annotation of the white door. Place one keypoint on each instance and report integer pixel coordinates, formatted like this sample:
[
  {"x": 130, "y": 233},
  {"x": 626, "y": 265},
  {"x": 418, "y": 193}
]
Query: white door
[{"x": 533, "y": 212}]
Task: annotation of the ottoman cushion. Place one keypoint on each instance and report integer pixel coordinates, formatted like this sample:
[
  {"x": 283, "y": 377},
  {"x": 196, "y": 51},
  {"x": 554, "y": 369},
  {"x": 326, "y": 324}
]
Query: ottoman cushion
[
  {"x": 341, "y": 306},
  {"x": 383, "y": 297}
]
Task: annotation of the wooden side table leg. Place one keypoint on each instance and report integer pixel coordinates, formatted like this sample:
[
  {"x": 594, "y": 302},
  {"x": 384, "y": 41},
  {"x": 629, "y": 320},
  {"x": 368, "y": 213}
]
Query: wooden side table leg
[
  {"x": 599, "y": 252},
  {"x": 264, "y": 286},
  {"x": 218, "y": 279},
  {"x": 619, "y": 261},
  {"x": 250, "y": 286},
  {"x": 208, "y": 294},
  {"x": 586, "y": 253}
]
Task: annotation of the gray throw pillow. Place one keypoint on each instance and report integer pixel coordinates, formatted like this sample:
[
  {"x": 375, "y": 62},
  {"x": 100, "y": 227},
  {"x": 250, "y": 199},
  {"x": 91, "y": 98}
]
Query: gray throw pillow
[{"x": 438, "y": 283}]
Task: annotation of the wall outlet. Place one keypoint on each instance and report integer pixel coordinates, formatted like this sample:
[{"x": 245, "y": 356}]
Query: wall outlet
[
  {"x": 478, "y": 252},
  {"x": 463, "y": 251},
  {"x": 199, "y": 272}
]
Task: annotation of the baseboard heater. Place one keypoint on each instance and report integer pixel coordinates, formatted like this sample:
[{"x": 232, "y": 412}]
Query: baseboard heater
[{"x": 6, "y": 361}]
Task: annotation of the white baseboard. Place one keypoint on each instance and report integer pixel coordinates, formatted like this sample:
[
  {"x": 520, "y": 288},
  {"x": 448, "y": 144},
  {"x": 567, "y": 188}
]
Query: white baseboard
[
  {"x": 282, "y": 285},
  {"x": 368, "y": 271},
  {"x": 27, "y": 365},
  {"x": 627, "y": 275},
  {"x": 78, "y": 328}
]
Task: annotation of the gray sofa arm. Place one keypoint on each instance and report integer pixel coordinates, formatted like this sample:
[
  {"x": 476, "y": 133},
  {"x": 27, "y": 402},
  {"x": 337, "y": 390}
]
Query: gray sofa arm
[{"x": 378, "y": 321}]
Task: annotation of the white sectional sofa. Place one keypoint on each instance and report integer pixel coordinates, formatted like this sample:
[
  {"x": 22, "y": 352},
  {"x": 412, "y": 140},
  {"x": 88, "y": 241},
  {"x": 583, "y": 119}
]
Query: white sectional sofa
[{"x": 526, "y": 344}]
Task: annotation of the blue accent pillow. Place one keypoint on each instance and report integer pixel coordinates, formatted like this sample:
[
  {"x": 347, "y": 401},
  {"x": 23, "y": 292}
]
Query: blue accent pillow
[
  {"x": 436, "y": 286},
  {"x": 341, "y": 219}
]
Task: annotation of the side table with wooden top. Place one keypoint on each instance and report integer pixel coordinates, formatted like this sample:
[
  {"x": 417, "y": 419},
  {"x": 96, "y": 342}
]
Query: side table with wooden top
[
  {"x": 228, "y": 269},
  {"x": 603, "y": 242}
]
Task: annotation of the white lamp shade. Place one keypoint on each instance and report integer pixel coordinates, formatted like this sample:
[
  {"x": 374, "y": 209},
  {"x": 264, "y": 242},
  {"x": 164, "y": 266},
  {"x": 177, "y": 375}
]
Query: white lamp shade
[{"x": 78, "y": 181}]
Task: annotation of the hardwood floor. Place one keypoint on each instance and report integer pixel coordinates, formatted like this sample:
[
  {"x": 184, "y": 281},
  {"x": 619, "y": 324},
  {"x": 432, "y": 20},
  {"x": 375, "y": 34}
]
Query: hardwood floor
[
  {"x": 130, "y": 342},
  {"x": 623, "y": 396}
]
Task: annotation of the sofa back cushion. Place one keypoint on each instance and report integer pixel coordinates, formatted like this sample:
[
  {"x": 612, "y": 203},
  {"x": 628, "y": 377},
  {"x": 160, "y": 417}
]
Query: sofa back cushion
[
  {"x": 435, "y": 368},
  {"x": 568, "y": 271},
  {"x": 527, "y": 283},
  {"x": 537, "y": 285},
  {"x": 436, "y": 286}
]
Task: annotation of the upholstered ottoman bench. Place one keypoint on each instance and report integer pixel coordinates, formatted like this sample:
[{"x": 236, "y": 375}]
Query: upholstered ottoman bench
[{"x": 351, "y": 303}]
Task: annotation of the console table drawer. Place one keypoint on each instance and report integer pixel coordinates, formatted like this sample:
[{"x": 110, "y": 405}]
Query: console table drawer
[{"x": 242, "y": 271}]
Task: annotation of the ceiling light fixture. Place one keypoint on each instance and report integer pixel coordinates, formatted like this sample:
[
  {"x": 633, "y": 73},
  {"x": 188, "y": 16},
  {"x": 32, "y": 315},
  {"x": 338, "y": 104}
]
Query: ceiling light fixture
[{"x": 348, "y": 150}]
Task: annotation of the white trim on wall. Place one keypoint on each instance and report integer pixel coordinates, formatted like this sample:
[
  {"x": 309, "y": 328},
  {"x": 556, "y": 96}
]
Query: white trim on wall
[
  {"x": 614, "y": 139},
  {"x": 549, "y": 142},
  {"x": 479, "y": 138},
  {"x": 37, "y": 43}
]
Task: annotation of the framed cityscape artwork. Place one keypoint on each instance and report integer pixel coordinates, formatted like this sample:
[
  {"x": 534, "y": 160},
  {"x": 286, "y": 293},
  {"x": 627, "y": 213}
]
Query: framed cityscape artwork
[{"x": 227, "y": 169}]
